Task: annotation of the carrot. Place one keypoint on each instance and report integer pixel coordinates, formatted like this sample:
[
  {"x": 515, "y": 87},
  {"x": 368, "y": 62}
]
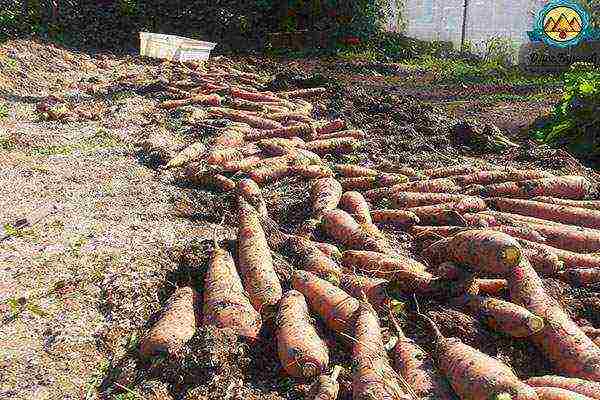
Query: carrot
[
  {"x": 335, "y": 306},
  {"x": 341, "y": 227},
  {"x": 562, "y": 341},
  {"x": 303, "y": 93},
  {"x": 252, "y": 194},
  {"x": 370, "y": 182},
  {"x": 355, "y": 133},
  {"x": 245, "y": 117},
  {"x": 305, "y": 155},
  {"x": 582, "y": 276},
  {"x": 373, "y": 288},
  {"x": 569, "y": 258},
  {"x": 483, "y": 250},
  {"x": 513, "y": 219},
  {"x": 326, "y": 387},
  {"x": 211, "y": 180},
  {"x": 445, "y": 172},
  {"x": 354, "y": 171},
  {"x": 244, "y": 164},
  {"x": 397, "y": 217},
  {"x": 285, "y": 117},
  {"x": 208, "y": 100},
  {"x": 329, "y": 250},
  {"x": 553, "y": 212},
  {"x": 373, "y": 263},
  {"x": 252, "y": 96},
  {"x": 416, "y": 199},
  {"x": 552, "y": 393},
  {"x": 312, "y": 171},
  {"x": 435, "y": 231},
  {"x": 300, "y": 130},
  {"x": 255, "y": 262},
  {"x": 311, "y": 258},
  {"x": 569, "y": 237},
  {"x": 221, "y": 155},
  {"x": 521, "y": 232},
  {"x": 474, "y": 375},
  {"x": 589, "y": 204},
  {"x": 225, "y": 303},
  {"x": 373, "y": 376},
  {"x": 441, "y": 185},
  {"x": 270, "y": 173},
  {"x": 325, "y": 195},
  {"x": 331, "y": 126},
  {"x": 338, "y": 146},
  {"x": 177, "y": 324},
  {"x": 302, "y": 352},
  {"x": 417, "y": 367},
  {"x": 497, "y": 176},
  {"x": 543, "y": 261},
  {"x": 438, "y": 214},
  {"x": 505, "y": 317},
  {"x": 233, "y": 136},
  {"x": 387, "y": 166},
  {"x": 277, "y": 146},
  {"x": 250, "y": 149},
  {"x": 570, "y": 187},
  {"x": 491, "y": 287},
  {"x": 355, "y": 204},
  {"x": 187, "y": 155},
  {"x": 480, "y": 220},
  {"x": 159, "y": 146}
]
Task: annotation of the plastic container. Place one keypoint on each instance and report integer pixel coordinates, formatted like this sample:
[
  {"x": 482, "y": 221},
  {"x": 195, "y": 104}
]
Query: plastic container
[{"x": 175, "y": 48}]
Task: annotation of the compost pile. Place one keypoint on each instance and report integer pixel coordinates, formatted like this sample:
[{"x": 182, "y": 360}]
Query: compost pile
[{"x": 355, "y": 289}]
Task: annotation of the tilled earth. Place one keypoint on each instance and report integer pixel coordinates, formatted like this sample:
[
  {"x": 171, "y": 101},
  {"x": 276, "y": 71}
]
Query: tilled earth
[{"x": 79, "y": 287}]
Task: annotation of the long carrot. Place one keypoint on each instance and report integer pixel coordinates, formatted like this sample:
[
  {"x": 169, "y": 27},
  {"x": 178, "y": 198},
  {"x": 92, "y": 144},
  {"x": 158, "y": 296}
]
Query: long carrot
[
  {"x": 589, "y": 204},
  {"x": 278, "y": 146},
  {"x": 252, "y": 96},
  {"x": 187, "y": 155},
  {"x": 397, "y": 217},
  {"x": 209, "y": 100},
  {"x": 497, "y": 176},
  {"x": 301, "y": 350},
  {"x": 499, "y": 218},
  {"x": 562, "y": 341},
  {"x": 287, "y": 117},
  {"x": 335, "y": 306},
  {"x": 553, "y": 212},
  {"x": 484, "y": 250},
  {"x": 441, "y": 185},
  {"x": 581, "y": 386},
  {"x": 211, "y": 180},
  {"x": 474, "y": 375},
  {"x": 355, "y": 133},
  {"x": 438, "y": 214},
  {"x": 331, "y": 126},
  {"x": 326, "y": 387},
  {"x": 255, "y": 262},
  {"x": 176, "y": 325},
  {"x": 569, "y": 258},
  {"x": 552, "y": 393},
  {"x": 312, "y": 171},
  {"x": 311, "y": 258},
  {"x": 244, "y": 164},
  {"x": 245, "y": 117},
  {"x": 373, "y": 288},
  {"x": 341, "y": 227},
  {"x": 416, "y": 199},
  {"x": 325, "y": 195},
  {"x": 569, "y": 237},
  {"x": 221, "y": 155},
  {"x": 445, "y": 172},
  {"x": 544, "y": 261},
  {"x": 270, "y": 173},
  {"x": 303, "y": 93},
  {"x": 569, "y": 187},
  {"x": 417, "y": 367},
  {"x": 337, "y": 145},
  {"x": 355, "y": 204},
  {"x": 373, "y": 263},
  {"x": 233, "y": 136},
  {"x": 299, "y": 130},
  {"x": 225, "y": 303},
  {"x": 354, "y": 171},
  {"x": 522, "y": 232},
  {"x": 373, "y": 377},
  {"x": 582, "y": 276},
  {"x": 252, "y": 194},
  {"x": 491, "y": 287}
]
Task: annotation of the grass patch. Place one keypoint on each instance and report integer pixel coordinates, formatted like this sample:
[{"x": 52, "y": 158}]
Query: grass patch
[
  {"x": 7, "y": 143},
  {"x": 102, "y": 139},
  {"x": 3, "y": 111}
]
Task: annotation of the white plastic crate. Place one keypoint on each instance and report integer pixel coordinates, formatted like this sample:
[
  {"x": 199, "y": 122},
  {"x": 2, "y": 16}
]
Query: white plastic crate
[{"x": 176, "y": 48}]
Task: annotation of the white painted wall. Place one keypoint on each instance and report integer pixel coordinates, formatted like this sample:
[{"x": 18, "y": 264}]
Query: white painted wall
[{"x": 486, "y": 19}]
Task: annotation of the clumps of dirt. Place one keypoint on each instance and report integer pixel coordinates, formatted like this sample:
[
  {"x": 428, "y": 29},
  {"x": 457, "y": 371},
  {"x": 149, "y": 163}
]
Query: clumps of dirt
[{"x": 486, "y": 138}]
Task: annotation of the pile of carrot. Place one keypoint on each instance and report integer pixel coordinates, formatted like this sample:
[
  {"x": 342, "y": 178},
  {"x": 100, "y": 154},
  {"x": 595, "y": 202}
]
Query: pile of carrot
[{"x": 481, "y": 239}]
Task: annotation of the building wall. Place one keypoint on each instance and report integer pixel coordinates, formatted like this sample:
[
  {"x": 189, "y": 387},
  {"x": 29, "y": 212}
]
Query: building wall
[{"x": 486, "y": 19}]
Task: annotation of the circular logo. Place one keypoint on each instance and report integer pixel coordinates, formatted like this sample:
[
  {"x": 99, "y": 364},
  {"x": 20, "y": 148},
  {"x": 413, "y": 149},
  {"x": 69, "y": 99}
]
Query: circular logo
[{"x": 562, "y": 23}]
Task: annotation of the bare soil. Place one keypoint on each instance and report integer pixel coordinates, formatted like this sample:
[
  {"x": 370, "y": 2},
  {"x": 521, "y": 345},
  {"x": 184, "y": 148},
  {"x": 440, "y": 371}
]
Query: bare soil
[{"x": 79, "y": 287}]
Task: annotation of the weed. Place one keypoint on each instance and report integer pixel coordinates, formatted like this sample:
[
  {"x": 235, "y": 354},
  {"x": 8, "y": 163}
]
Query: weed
[
  {"x": 75, "y": 245},
  {"x": 7, "y": 143},
  {"x": 3, "y": 111},
  {"x": 19, "y": 232},
  {"x": 122, "y": 96},
  {"x": 53, "y": 150}
]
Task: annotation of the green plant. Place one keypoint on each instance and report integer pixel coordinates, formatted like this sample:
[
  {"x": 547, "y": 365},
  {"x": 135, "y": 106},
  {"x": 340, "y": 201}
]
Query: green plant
[
  {"x": 3, "y": 111},
  {"x": 575, "y": 121}
]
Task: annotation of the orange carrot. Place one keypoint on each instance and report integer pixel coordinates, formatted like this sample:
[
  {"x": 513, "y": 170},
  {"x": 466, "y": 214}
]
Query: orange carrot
[
  {"x": 582, "y": 276},
  {"x": 589, "y": 204},
  {"x": 221, "y": 155},
  {"x": 208, "y": 100},
  {"x": 175, "y": 327},
  {"x": 301, "y": 350},
  {"x": 309, "y": 257},
  {"x": 497, "y": 176},
  {"x": 255, "y": 262},
  {"x": 252, "y": 194},
  {"x": 326, "y": 387},
  {"x": 521, "y": 232},
  {"x": 312, "y": 171},
  {"x": 581, "y": 386},
  {"x": 570, "y": 187},
  {"x": 553, "y": 212},
  {"x": 299, "y": 130},
  {"x": 354, "y": 171},
  {"x": 341, "y": 227},
  {"x": 211, "y": 180},
  {"x": 491, "y": 287},
  {"x": 552, "y": 393},
  {"x": 505, "y": 317},
  {"x": 416, "y": 199},
  {"x": 484, "y": 250},
  {"x": 244, "y": 164},
  {"x": 568, "y": 237},
  {"x": 303, "y": 93},
  {"x": 338, "y": 146},
  {"x": 438, "y": 214},
  {"x": 252, "y": 96},
  {"x": 225, "y": 304},
  {"x": 562, "y": 341},
  {"x": 480, "y": 220},
  {"x": 355, "y": 133},
  {"x": 373, "y": 377},
  {"x": 398, "y": 217},
  {"x": 245, "y": 117},
  {"x": 355, "y": 204},
  {"x": 325, "y": 195},
  {"x": 569, "y": 258},
  {"x": 417, "y": 367},
  {"x": 441, "y": 185},
  {"x": 231, "y": 137},
  {"x": 187, "y": 155},
  {"x": 329, "y": 250},
  {"x": 370, "y": 182},
  {"x": 543, "y": 261},
  {"x": 446, "y": 172},
  {"x": 474, "y": 375},
  {"x": 278, "y": 146},
  {"x": 335, "y": 306},
  {"x": 377, "y": 264},
  {"x": 435, "y": 231},
  {"x": 331, "y": 126},
  {"x": 286, "y": 117},
  {"x": 270, "y": 173},
  {"x": 373, "y": 288}
]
